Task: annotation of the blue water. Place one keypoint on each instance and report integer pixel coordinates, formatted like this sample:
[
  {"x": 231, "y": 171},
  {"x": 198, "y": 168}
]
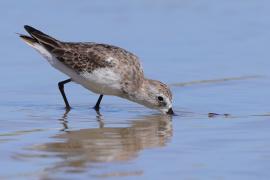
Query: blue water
[{"x": 177, "y": 42}]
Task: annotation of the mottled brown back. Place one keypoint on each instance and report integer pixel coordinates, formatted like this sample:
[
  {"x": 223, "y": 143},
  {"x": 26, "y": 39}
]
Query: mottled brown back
[{"x": 87, "y": 57}]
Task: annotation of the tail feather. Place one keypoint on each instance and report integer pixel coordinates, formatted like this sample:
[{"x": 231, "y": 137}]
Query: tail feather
[
  {"x": 28, "y": 40},
  {"x": 42, "y": 38}
]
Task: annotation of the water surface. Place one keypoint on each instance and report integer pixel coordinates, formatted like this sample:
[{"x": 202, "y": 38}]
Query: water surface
[{"x": 214, "y": 54}]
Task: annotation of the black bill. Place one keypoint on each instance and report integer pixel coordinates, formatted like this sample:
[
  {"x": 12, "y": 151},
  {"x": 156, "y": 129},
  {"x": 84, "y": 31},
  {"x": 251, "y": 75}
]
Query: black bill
[{"x": 170, "y": 111}]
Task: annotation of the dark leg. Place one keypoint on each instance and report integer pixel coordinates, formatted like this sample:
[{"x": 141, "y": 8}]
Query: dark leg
[
  {"x": 61, "y": 88},
  {"x": 98, "y": 103}
]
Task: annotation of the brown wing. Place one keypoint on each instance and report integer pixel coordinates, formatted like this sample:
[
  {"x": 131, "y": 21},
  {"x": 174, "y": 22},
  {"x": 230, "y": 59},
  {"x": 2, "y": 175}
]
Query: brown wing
[
  {"x": 78, "y": 56},
  {"x": 90, "y": 56},
  {"x": 81, "y": 57}
]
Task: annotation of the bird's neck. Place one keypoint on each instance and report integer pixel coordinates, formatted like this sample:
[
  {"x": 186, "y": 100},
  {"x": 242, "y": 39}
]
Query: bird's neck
[{"x": 141, "y": 94}]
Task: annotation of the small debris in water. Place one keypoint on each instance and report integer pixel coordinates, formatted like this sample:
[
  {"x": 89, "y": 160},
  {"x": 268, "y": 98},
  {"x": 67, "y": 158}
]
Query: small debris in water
[{"x": 210, "y": 115}]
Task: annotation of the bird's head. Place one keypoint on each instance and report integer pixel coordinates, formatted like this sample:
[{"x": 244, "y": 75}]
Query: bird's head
[{"x": 155, "y": 95}]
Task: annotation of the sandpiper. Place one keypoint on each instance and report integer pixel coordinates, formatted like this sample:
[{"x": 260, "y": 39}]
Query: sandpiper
[{"x": 101, "y": 68}]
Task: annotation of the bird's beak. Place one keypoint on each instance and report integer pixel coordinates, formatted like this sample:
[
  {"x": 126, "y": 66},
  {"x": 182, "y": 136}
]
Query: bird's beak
[{"x": 170, "y": 111}]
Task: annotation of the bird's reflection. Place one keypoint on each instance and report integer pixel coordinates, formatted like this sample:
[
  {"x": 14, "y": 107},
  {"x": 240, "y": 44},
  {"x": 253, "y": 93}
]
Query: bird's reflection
[
  {"x": 81, "y": 148},
  {"x": 63, "y": 120}
]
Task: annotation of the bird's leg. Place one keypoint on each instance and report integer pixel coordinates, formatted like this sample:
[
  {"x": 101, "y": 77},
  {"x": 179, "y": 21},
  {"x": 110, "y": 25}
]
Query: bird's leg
[
  {"x": 97, "y": 107},
  {"x": 61, "y": 88}
]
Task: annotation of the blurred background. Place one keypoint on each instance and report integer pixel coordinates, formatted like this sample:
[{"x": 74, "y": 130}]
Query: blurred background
[{"x": 177, "y": 41}]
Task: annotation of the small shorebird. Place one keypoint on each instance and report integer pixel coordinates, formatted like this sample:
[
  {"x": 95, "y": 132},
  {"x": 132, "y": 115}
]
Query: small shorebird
[{"x": 101, "y": 68}]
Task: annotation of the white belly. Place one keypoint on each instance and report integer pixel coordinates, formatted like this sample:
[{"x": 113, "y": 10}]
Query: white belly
[{"x": 101, "y": 81}]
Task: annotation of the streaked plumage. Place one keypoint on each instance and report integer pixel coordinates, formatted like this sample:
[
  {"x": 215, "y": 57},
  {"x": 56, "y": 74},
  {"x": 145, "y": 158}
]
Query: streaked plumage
[{"x": 101, "y": 68}]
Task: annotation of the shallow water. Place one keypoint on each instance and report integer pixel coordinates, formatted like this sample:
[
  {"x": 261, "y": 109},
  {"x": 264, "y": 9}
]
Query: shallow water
[{"x": 215, "y": 56}]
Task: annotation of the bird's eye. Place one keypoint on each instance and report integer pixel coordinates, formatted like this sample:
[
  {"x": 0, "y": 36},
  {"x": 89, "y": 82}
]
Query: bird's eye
[{"x": 160, "y": 98}]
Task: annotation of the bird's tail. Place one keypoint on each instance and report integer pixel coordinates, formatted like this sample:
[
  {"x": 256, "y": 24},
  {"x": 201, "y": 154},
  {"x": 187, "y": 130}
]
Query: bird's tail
[
  {"x": 39, "y": 37},
  {"x": 28, "y": 40}
]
